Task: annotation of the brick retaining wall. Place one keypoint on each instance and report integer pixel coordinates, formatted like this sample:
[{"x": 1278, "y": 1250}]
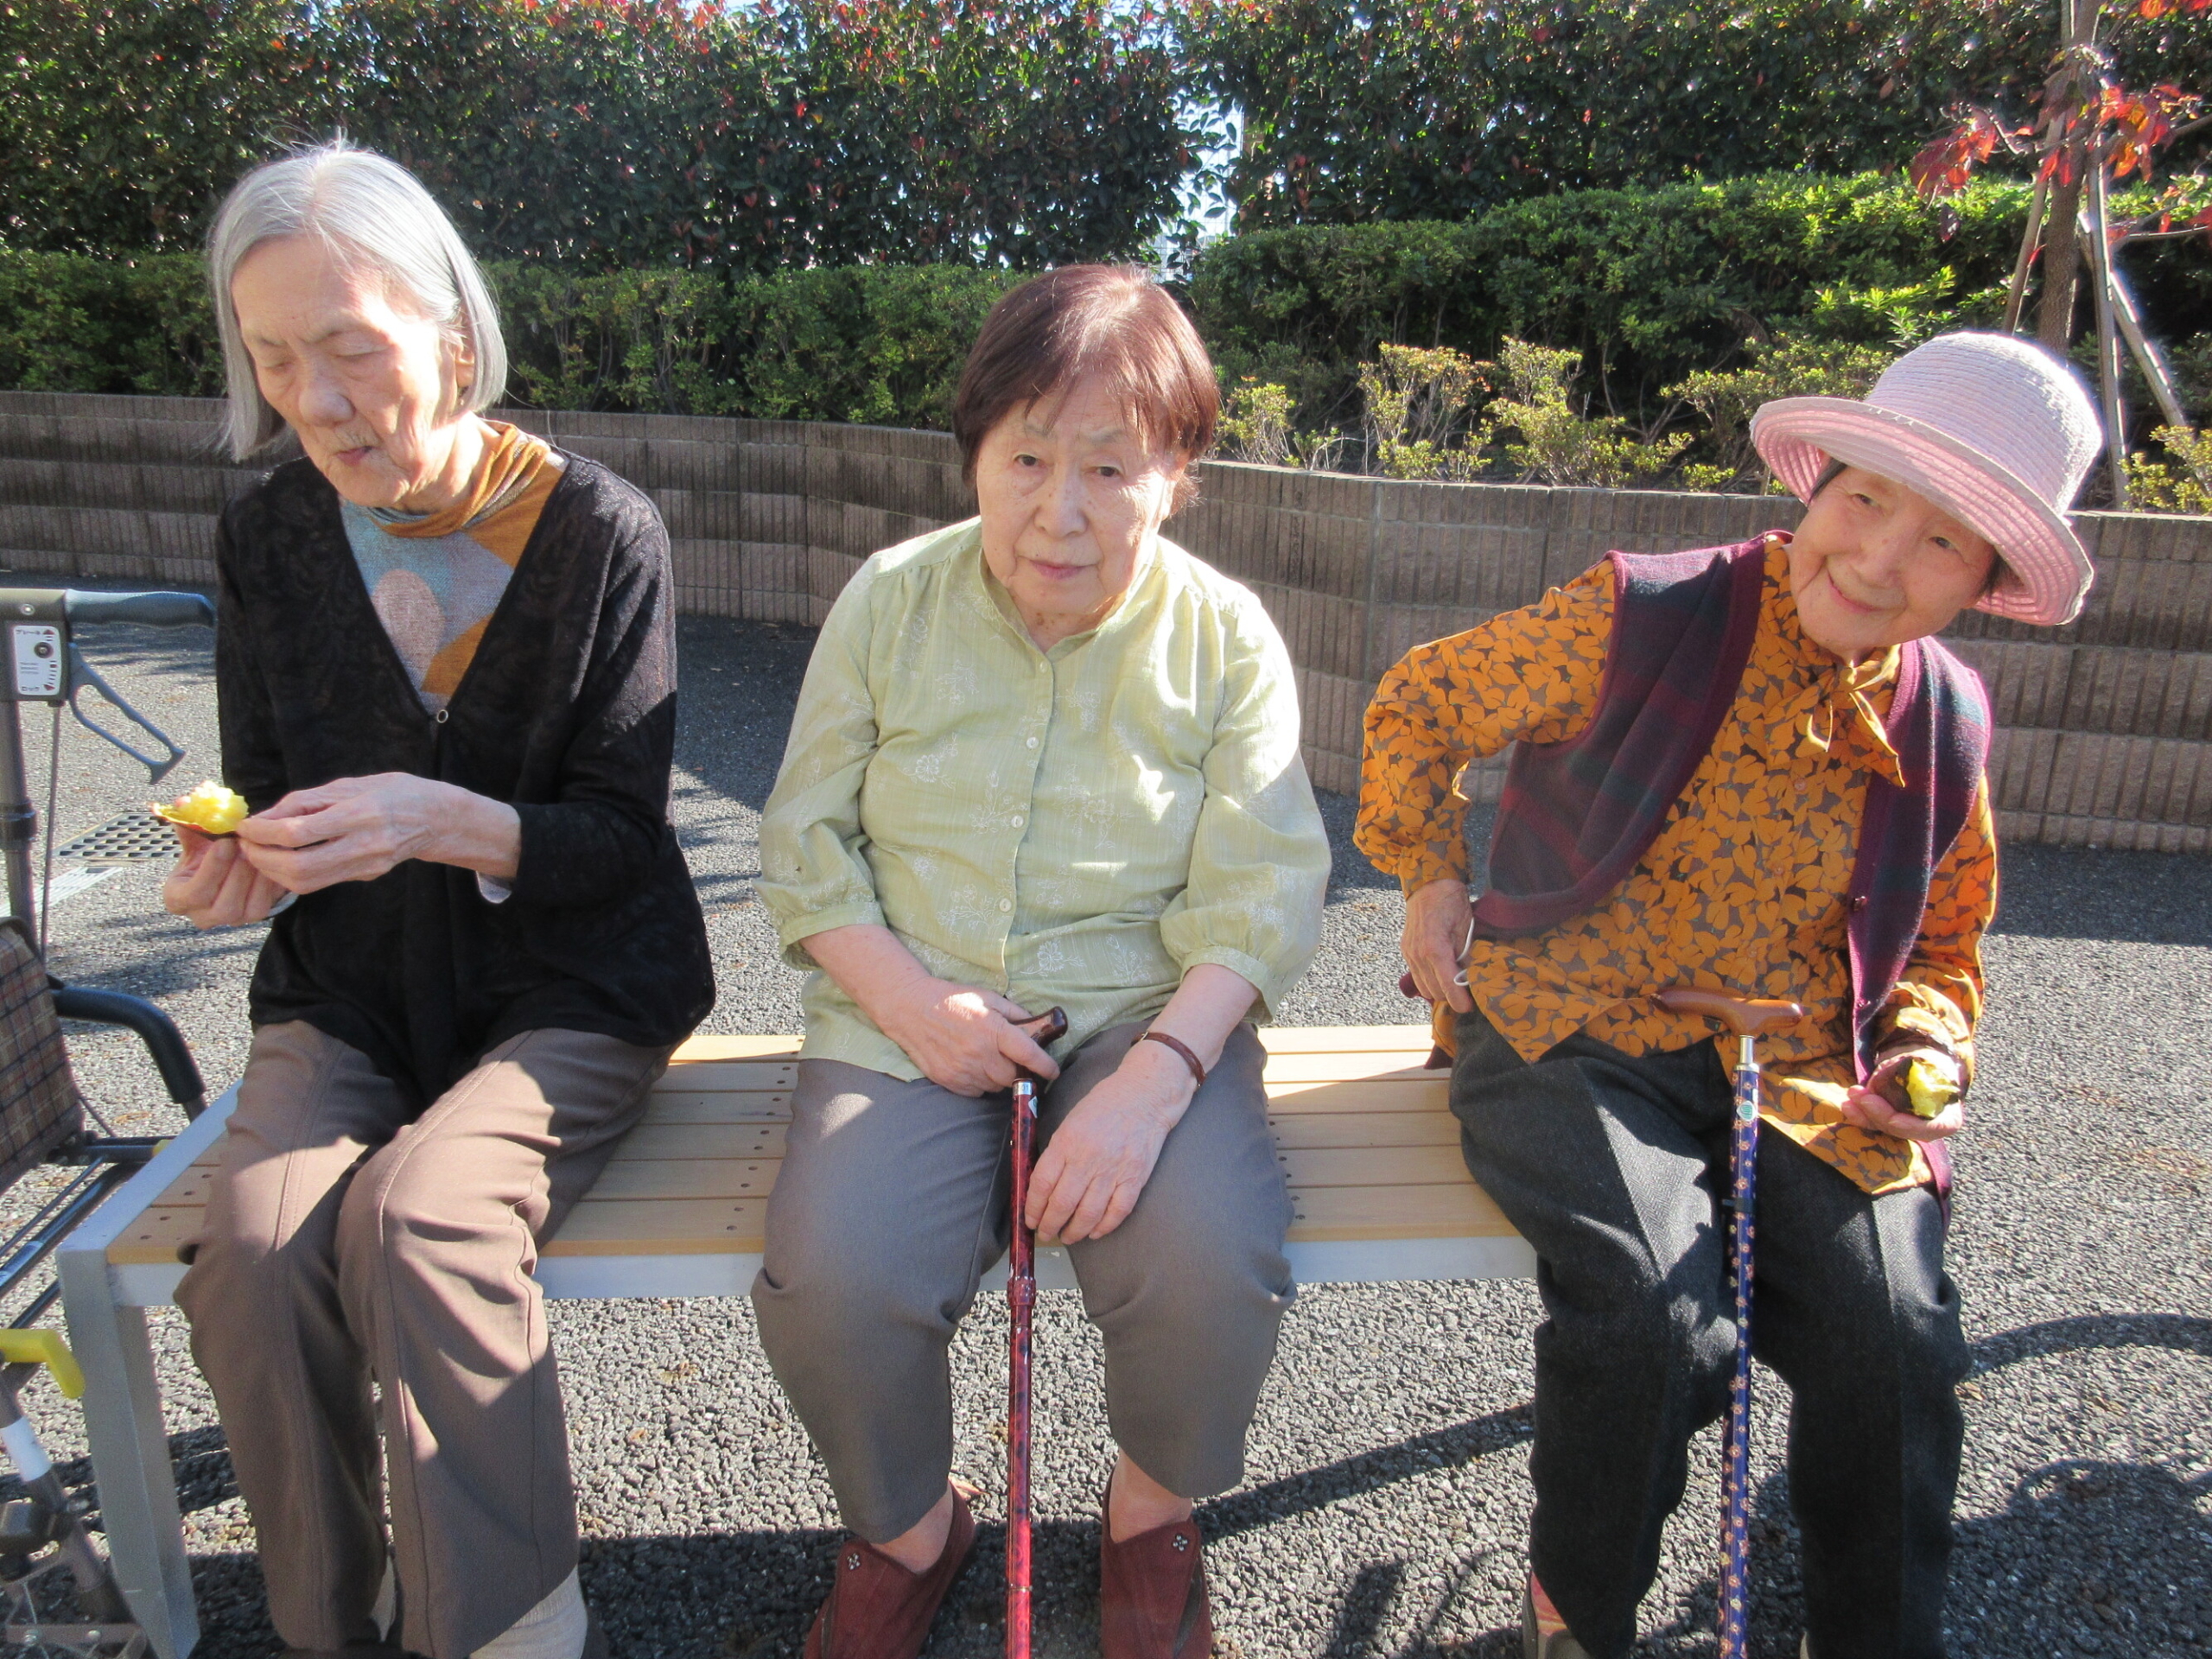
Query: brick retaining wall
[{"x": 2104, "y": 727}]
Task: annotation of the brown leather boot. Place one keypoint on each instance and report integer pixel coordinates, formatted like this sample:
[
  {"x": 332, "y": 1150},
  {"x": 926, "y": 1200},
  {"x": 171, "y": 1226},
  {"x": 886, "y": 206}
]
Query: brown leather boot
[
  {"x": 876, "y": 1609},
  {"x": 1152, "y": 1593}
]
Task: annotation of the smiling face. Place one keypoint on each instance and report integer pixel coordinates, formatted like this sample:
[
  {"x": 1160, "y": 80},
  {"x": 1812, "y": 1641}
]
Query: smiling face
[
  {"x": 372, "y": 388},
  {"x": 1875, "y": 564},
  {"x": 1071, "y": 496}
]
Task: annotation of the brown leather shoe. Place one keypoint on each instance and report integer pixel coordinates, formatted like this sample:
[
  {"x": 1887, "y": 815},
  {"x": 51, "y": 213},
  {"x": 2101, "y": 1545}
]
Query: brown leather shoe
[
  {"x": 876, "y": 1609},
  {"x": 1152, "y": 1593}
]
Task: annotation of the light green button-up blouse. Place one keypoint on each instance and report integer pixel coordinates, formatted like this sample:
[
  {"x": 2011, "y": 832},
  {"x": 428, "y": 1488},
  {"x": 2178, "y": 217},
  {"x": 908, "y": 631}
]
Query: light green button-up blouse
[{"x": 1080, "y": 826}]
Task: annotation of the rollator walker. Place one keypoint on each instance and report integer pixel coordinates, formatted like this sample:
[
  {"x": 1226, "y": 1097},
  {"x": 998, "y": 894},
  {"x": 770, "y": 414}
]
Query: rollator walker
[{"x": 58, "y": 1595}]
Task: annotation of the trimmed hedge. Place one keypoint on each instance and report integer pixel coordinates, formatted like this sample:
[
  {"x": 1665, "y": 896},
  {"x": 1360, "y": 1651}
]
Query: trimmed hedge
[
  {"x": 611, "y": 133},
  {"x": 1360, "y": 111},
  {"x": 1648, "y": 286}
]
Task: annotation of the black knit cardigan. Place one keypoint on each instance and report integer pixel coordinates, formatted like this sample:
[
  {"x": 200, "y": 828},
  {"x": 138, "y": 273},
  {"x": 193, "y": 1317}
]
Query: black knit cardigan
[{"x": 567, "y": 712}]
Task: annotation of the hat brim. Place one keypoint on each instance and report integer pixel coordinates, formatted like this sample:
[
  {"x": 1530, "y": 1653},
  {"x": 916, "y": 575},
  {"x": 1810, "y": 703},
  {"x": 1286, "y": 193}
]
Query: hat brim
[{"x": 2047, "y": 569}]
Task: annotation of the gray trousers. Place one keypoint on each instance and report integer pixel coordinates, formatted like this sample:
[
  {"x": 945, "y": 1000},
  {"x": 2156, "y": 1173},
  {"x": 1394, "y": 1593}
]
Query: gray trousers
[
  {"x": 1612, "y": 1166},
  {"x": 348, "y": 1239},
  {"x": 893, "y": 1203}
]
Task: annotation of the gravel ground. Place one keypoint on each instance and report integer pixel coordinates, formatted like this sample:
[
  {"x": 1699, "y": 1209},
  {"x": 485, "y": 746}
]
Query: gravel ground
[{"x": 1384, "y": 1509}]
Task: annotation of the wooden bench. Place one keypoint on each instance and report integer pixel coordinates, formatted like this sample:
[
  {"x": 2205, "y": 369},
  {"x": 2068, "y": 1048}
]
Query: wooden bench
[{"x": 1370, "y": 1150}]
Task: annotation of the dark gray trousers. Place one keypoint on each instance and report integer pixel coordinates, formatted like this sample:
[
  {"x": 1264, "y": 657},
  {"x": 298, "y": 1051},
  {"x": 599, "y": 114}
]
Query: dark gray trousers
[{"x": 1613, "y": 1166}]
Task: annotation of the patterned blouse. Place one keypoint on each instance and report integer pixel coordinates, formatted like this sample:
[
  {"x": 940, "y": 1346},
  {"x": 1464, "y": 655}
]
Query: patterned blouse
[
  {"x": 1080, "y": 826},
  {"x": 1745, "y": 887}
]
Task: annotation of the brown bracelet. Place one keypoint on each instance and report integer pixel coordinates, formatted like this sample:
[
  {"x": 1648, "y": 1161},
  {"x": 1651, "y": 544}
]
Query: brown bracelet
[{"x": 1181, "y": 1047}]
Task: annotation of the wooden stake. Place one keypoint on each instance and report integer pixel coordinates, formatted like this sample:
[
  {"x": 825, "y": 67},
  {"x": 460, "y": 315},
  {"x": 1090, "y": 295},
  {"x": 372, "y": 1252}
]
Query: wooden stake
[
  {"x": 2107, "y": 339},
  {"x": 2018, "y": 294}
]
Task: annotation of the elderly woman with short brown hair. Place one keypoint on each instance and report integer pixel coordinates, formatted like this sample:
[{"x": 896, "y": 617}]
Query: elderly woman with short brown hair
[
  {"x": 1041, "y": 757},
  {"x": 447, "y": 680}
]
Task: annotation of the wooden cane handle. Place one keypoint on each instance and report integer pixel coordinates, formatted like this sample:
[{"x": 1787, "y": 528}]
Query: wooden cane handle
[
  {"x": 1046, "y": 1027},
  {"x": 1747, "y": 1016},
  {"x": 1041, "y": 1029}
]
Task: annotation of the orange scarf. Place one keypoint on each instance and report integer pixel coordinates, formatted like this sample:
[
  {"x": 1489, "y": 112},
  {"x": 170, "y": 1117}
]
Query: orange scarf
[{"x": 509, "y": 462}]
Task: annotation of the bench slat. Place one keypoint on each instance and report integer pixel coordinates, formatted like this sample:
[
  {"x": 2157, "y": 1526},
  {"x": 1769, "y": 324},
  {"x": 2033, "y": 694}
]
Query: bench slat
[
  {"x": 1365, "y": 1140},
  {"x": 673, "y": 1102},
  {"x": 1432, "y": 1128},
  {"x": 732, "y": 1074},
  {"x": 1417, "y": 1091},
  {"x": 713, "y": 1226},
  {"x": 1459, "y": 1210},
  {"x": 1279, "y": 1039}
]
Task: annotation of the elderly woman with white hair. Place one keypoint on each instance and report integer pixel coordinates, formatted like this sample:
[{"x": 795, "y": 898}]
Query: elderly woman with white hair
[{"x": 447, "y": 680}]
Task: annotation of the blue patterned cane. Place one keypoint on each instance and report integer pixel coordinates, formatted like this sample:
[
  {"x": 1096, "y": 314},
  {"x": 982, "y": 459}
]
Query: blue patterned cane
[
  {"x": 1736, "y": 1438},
  {"x": 1747, "y": 1019}
]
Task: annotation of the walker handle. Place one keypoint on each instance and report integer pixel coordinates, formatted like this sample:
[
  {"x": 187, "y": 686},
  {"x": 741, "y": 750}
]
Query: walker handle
[
  {"x": 1747, "y": 1016},
  {"x": 147, "y": 610}
]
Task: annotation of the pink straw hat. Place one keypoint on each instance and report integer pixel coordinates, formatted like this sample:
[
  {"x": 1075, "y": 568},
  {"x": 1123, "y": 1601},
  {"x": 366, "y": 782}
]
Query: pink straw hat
[{"x": 1992, "y": 428}]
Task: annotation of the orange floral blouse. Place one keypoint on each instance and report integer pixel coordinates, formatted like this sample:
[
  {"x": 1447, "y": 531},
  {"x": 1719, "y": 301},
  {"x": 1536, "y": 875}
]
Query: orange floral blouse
[{"x": 1744, "y": 888}]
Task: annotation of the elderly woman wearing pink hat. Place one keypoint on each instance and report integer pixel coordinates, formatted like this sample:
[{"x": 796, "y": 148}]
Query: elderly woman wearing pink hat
[{"x": 1751, "y": 770}]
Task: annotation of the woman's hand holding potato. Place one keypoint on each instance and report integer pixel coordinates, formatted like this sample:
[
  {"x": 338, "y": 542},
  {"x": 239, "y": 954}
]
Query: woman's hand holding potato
[
  {"x": 213, "y": 884},
  {"x": 1882, "y": 1104}
]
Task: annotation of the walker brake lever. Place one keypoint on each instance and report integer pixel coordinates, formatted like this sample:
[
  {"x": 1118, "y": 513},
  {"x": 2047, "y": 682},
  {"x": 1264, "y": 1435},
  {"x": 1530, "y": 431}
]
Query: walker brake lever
[{"x": 82, "y": 674}]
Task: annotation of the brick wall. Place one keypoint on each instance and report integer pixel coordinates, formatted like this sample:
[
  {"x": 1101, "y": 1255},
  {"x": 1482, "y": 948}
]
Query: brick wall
[{"x": 2103, "y": 726}]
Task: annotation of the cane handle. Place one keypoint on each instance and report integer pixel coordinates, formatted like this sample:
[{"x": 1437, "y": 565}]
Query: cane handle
[
  {"x": 1042, "y": 1029},
  {"x": 1747, "y": 1016}
]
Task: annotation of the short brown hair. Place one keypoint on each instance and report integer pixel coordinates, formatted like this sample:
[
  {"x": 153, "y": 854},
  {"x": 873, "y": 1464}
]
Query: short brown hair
[{"x": 1110, "y": 320}]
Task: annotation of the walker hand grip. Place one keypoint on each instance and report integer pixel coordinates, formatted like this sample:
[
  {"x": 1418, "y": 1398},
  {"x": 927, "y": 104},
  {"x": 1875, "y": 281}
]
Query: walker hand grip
[
  {"x": 146, "y": 610},
  {"x": 1747, "y": 1016},
  {"x": 40, "y": 1346}
]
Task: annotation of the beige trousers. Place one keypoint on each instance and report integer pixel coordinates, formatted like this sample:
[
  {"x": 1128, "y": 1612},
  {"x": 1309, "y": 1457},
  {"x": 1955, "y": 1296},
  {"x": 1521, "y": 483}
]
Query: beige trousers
[
  {"x": 347, "y": 1240},
  {"x": 891, "y": 1204}
]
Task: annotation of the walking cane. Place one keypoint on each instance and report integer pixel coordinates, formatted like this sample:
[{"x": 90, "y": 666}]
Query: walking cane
[
  {"x": 1022, "y": 1296},
  {"x": 1750, "y": 1019}
]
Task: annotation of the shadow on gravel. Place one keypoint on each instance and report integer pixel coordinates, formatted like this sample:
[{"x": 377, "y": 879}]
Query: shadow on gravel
[
  {"x": 2073, "y": 893},
  {"x": 2179, "y": 1331},
  {"x": 166, "y": 955},
  {"x": 2088, "y": 1557},
  {"x": 1367, "y": 1471}
]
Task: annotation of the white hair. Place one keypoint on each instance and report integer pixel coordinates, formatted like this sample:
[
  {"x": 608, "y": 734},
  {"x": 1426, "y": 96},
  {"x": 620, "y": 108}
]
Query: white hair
[{"x": 375, "y": 215}]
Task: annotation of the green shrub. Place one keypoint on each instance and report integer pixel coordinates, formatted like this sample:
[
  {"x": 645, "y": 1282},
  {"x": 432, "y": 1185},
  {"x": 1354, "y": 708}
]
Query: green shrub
[
  {"x": 873, "y": 343},
  {"x": 881, "y": 344},
  {"x": 1416, "y": 401},
  {"x": 2182, "y": 483},
  {"x": 1786, "y": 367},
  {"x": 1647, "y": 287},
  {"x": 69, "y": 323},
  {"x": 1380, "y": 109},
  {"x": 627, "y": 340},
  {"x": 785, "y": 133},
  {"x": 1560, "y": 444}
]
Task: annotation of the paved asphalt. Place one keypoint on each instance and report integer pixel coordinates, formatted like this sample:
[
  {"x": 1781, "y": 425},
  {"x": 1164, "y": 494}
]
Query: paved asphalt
[{"x": 1387, "y": 1494}]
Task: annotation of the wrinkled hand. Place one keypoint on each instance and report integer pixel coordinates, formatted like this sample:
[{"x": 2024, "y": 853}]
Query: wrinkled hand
[
  {"x": 963, "y": 1039},
  {"x": 1878, "y": 1104},
  {"x": 358, "y": 828},
  {"x": 1090, "y": 1176},
  {"x": 214, "y": 886},
  {"x": 1437, "y": 917}
]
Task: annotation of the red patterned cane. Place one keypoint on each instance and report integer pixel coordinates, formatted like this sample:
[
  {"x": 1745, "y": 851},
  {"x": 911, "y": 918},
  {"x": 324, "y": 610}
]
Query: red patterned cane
[
  {"x": 1021, "y": 1297},
  {"x": 1748, "y": 1019}
]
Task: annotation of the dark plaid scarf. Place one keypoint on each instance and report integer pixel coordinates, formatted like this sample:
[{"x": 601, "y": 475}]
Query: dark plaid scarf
[{"x": 1577, "y": 815}]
